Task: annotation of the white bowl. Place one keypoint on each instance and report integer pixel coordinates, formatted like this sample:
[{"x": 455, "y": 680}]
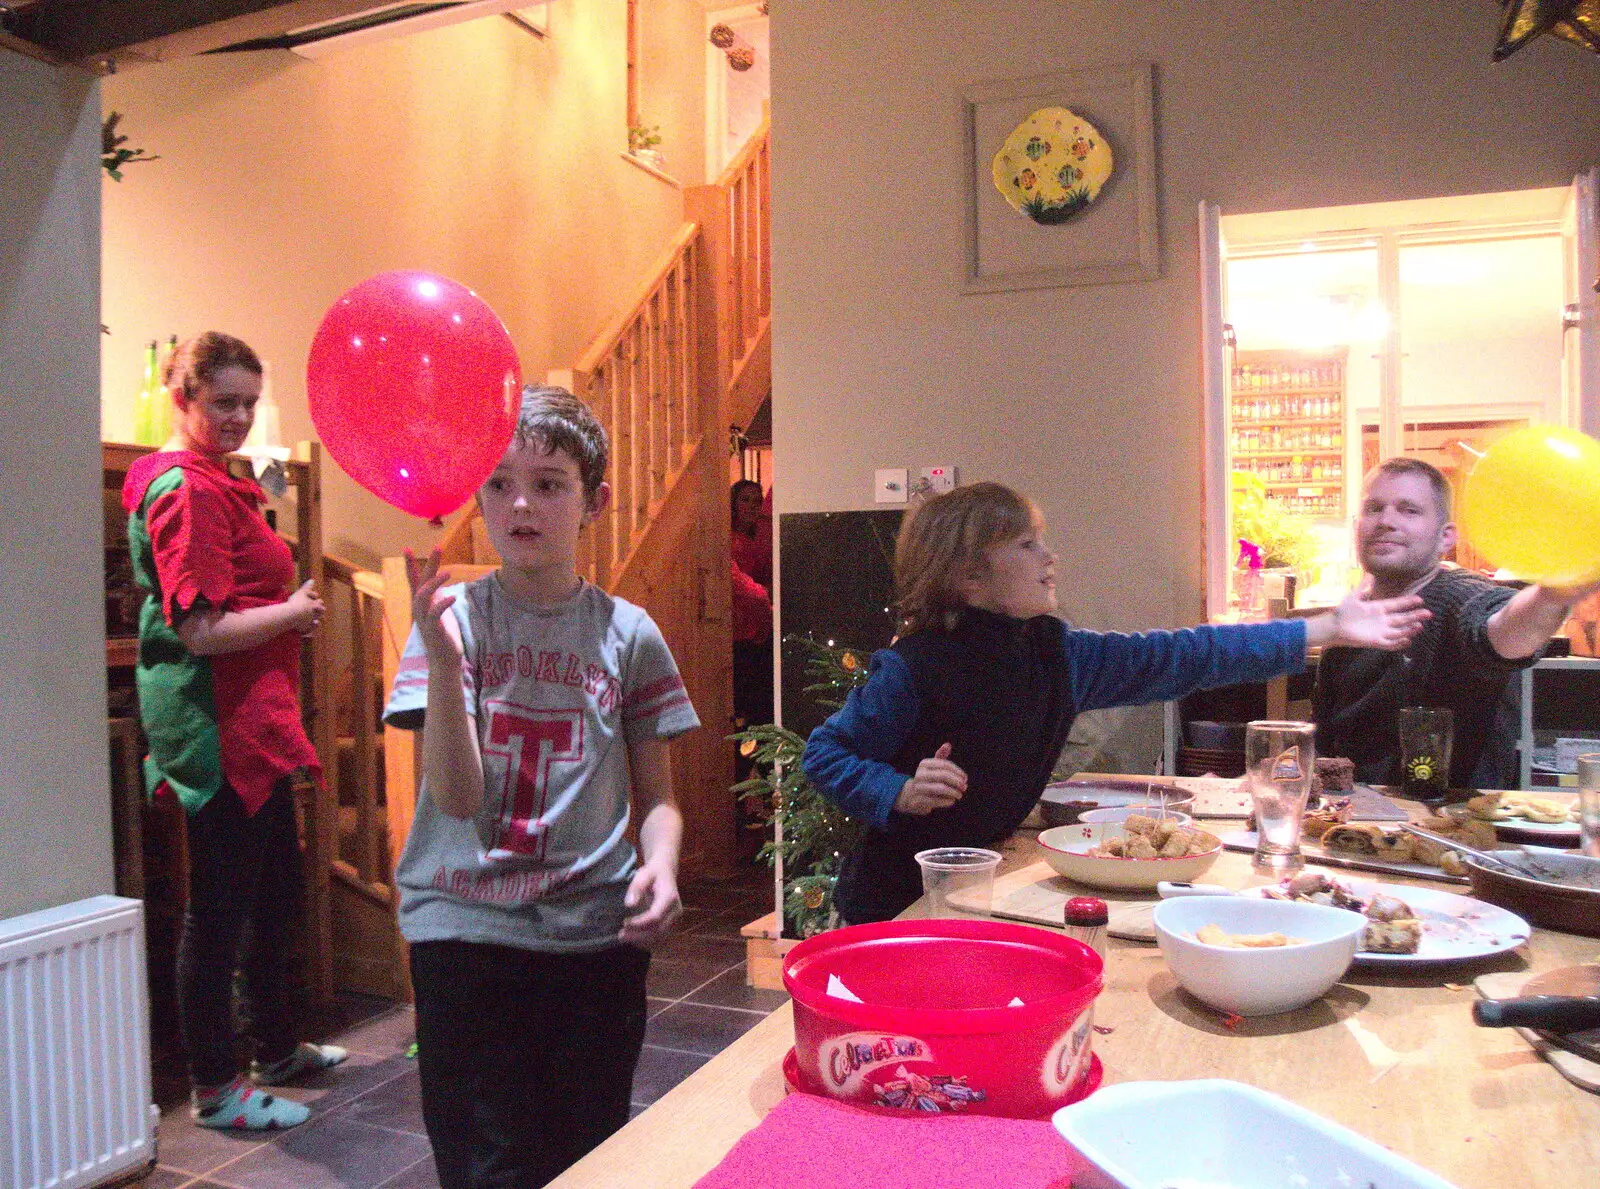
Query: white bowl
[
  {"x": 1065, "y": 849},
  {"x": 1123, "y": 812},
  {"x": 1232, "y": 1134},
  {"x": 1257, "y": 982}
]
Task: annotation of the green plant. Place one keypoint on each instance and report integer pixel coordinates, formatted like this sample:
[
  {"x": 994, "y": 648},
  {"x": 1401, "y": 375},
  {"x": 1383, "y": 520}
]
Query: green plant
[
  {"x": 1284, "y": 538},
  {"x": 816, "y": 834},
  {"x": 643, "y": 136},
  {"x": 112, "y": 155}
]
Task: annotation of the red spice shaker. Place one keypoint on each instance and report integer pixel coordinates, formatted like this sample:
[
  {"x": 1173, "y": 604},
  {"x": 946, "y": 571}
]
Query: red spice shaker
[{"x": 1086, "y": 920}]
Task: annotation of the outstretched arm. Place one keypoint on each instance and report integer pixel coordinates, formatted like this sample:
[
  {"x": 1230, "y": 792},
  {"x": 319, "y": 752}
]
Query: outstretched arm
[
  {"x": 1534, "y": 614},
  {"x": 1389, "y": 624}
]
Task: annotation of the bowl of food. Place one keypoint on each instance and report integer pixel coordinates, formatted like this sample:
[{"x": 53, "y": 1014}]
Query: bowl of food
[
  {"x": 1256, "y": 957},
  {"x": 1250, "y": 1140},
  {"x": 1568, "y": 898},
  {"x": 1137, "y": 853},
  {"x": 1062, "y": 803}
]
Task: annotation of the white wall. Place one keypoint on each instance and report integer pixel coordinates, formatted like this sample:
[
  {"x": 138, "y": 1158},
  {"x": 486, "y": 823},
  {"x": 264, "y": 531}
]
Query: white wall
[
  {"x": 475, "y": 151},
  {"x": 55, "y": 846},
  {"x": 1089, "y": 398}
]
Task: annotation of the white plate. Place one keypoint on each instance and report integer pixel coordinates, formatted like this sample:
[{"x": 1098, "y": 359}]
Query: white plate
[
  {"x": 1551, "y": 831},
  {"x": 1454, "y": 928},
  {"x": 1245, "y": 840},
  {"x": 1512, "y": 827}
]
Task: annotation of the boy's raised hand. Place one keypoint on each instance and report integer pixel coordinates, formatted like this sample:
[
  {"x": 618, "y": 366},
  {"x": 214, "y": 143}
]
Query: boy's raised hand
[
  {"x": 440, "y": 635},
  {"x": 1360, "y": 622},
  {"x": 653, "y": 891},
  {"x": 938, "y": 784}
]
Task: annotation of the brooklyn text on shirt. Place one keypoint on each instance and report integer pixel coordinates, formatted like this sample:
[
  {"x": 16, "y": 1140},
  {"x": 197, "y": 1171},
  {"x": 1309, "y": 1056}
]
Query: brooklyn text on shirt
[
  {"x": 550, "y": 667},
  {"x": 502, "y": 888}
]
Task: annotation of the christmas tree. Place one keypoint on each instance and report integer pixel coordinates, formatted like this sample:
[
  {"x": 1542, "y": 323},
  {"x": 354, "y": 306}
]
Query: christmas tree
[{"x": 816, "y": 834}]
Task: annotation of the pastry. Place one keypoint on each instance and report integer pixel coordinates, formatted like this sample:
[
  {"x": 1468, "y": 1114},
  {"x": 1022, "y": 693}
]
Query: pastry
[
  {"x": 1356, "y": 839},
  {"x": 1318, "y": 822},
  {"x": 1392, "y": 927},
  {"x": 1488, "y": 808},
  {"x": 1392, "y": 937},
  {"x": 1395, "y": 848}
]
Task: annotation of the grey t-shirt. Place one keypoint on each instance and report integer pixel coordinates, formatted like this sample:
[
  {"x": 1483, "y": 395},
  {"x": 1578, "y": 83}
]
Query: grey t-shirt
[{"x": 557, "y": 694}]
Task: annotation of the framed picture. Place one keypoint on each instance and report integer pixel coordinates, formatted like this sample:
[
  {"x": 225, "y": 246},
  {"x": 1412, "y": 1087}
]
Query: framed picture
[{"x": 1061, "y": 180}]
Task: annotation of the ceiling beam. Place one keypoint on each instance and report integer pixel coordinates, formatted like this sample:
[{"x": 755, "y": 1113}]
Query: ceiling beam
[{"x": 111, "y": 33}]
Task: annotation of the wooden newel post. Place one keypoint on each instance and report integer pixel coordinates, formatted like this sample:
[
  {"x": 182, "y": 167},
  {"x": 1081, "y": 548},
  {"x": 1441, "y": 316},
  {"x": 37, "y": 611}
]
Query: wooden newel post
[{"x": 321, "y": 837}]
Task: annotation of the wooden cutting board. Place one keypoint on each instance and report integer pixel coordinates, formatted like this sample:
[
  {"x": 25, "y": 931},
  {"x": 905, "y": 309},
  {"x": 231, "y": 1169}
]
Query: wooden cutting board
[
  {"x": 1580, "y": 1070},
  {"x": 1038, "y": 895}
]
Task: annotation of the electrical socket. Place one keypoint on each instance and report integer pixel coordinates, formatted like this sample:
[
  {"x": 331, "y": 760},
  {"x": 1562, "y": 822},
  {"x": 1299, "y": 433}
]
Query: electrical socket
[
  {"x": 938, "y": 479},
  {"x": 889, "y": 485}
]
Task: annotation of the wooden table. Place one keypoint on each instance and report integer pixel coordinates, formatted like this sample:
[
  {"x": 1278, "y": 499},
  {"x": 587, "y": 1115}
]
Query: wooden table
[{"x": 1392, "y": 1055}]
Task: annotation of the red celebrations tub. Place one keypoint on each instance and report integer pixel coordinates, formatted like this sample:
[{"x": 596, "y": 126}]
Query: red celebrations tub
[{"x": 938, "y": 1028}]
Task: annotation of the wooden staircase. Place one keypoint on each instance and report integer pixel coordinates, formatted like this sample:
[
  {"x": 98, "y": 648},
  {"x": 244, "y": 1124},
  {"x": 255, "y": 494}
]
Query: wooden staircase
[{"x": 690, "y": 357}]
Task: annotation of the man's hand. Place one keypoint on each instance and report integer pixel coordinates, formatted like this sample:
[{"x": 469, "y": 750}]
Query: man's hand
[
  {"x": 440, "y": 634},
  {"x": 938, "y": 784},
  {"x": 1358, "y": 622},
  {"x": 654, "y": 892}
]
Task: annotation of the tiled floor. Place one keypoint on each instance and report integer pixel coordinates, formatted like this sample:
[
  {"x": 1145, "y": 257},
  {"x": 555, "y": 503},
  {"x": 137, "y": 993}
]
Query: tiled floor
[{"x": 366, "y": 1124}]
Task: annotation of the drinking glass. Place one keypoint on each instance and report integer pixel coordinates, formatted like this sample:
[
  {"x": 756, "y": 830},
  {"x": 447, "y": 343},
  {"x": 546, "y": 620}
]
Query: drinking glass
[
  {"x": 1589, "y": 802},
  {"x": 958, "y": 880},
  {"x": 1426, "y": 733},
  {"x": 1280, "y": 758}
]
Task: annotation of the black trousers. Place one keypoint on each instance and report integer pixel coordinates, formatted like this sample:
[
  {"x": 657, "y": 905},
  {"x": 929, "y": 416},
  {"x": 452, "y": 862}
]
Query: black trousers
[
  {"x": 244, "y": 892},
  {"x": 526, "y": 1058}
]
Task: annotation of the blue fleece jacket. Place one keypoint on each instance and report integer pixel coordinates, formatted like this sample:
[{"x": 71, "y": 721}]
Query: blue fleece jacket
[{"x": 1003, "y": 693}]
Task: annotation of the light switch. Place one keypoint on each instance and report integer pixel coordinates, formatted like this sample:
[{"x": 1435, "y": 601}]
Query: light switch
[
  {"x": 938, "y": 479},
  {"x": 889, "y": 485}
]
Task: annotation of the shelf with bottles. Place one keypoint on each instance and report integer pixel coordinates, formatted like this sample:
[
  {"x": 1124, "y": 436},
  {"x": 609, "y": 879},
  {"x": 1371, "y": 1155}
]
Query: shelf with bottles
[
  {"x": 1278, "y": 439},
  {"x": 1292, "y": 407},
  {"x": 1294, "y": 467},
  {"x": 1322, "y": 504}
]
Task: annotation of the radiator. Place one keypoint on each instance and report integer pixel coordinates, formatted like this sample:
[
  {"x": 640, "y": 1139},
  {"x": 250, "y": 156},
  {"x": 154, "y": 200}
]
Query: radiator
[{"x": 75, "y": 1091}]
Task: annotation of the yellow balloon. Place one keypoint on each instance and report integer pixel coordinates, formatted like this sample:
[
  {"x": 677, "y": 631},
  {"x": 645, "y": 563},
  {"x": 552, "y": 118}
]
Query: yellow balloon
[{"x": 1532, "y": 505}]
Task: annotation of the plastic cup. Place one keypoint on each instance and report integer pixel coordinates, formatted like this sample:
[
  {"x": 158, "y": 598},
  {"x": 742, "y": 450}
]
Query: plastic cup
[
  {"x": 1426, "y": 733},
  {"x": 1280, "y": 758},
  {"x": 958, "y": 881},
  {"x": 1589, "y": 802}
]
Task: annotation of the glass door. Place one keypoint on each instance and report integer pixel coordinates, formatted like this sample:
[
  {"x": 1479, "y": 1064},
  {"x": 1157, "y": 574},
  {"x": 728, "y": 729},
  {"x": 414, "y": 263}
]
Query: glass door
[{"x": 1354, "y": 334}]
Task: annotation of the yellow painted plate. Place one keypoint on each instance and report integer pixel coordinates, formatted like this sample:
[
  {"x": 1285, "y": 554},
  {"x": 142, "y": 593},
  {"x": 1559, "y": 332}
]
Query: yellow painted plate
[{"x": 1053, "y": 165}]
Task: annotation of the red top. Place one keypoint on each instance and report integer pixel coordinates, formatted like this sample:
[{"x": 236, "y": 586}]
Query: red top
[
  {"x": 753, "y": 555},
  {"x": 210, "y": 541},
  {"x": 752, "y": 609}
]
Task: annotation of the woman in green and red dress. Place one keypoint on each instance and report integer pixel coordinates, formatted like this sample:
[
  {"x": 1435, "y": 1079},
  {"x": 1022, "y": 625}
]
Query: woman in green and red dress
[{"x": 218, "y": 675}]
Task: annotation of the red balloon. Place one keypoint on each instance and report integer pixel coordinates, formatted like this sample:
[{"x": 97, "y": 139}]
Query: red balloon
[{"x": 414, "y": 387}]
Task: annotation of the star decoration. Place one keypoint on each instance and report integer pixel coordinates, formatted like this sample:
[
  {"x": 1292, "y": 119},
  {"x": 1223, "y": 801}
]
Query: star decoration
[{"x": 1577, "y": 21}]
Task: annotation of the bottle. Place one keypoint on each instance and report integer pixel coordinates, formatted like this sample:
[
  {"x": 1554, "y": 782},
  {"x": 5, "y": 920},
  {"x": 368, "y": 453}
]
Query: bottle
[
  {"x": 144, "y": 403},
  {"x": 1248, "y": 592},
  {"x": 161, "y": 408},
  {"x": 1085, "y": 920}
]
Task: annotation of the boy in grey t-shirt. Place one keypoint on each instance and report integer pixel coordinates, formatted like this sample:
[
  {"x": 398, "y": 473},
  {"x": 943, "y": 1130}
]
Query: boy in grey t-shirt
[{"x": 548, "y": 706}]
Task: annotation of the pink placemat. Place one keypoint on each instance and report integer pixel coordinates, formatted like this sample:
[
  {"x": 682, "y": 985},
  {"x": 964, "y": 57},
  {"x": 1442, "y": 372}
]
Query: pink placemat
[{"x": 807, "y": 1142}]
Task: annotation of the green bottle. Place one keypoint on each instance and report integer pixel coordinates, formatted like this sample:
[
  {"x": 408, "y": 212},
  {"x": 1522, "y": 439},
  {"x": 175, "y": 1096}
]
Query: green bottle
[
  {"x": 161, "y": 410},
  {"x": 144, "y": 427}
]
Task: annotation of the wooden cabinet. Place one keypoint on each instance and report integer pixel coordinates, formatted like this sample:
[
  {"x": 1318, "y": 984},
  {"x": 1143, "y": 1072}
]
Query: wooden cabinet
[{"x": 1288, "y": 427}]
